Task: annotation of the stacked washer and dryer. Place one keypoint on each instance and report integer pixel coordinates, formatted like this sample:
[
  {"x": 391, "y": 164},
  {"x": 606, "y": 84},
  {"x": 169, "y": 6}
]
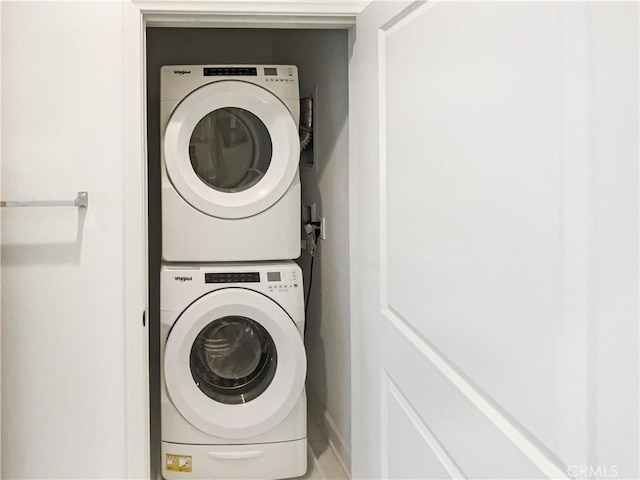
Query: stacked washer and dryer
[{"x": 231, "y": 298}]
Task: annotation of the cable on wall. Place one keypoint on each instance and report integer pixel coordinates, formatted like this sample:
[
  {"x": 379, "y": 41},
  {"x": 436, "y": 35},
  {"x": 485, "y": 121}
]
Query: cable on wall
[{"x": 313, "y": 232}]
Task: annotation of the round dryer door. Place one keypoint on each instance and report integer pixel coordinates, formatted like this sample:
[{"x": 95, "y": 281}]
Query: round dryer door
[
  {"x": 234, "y": 363},
  {"x": 231, "y": 149}
]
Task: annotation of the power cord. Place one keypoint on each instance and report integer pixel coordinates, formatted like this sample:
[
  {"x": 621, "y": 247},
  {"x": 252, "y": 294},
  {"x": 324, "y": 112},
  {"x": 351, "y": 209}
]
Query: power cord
[{"x": 315, "y": 227}]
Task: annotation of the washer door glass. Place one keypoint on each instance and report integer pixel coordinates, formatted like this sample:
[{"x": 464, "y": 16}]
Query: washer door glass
[
  {"x": 230, "y": 149},
  {"x": 233, "y": 360}
]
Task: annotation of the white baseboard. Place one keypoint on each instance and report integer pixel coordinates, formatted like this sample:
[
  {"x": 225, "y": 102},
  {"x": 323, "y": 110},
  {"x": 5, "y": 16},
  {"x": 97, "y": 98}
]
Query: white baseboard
[{"x": 329, "y": 429}]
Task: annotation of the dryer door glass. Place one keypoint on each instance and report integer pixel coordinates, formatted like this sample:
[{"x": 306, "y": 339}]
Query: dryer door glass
[
  {"x": 230, "y": 149},
  {"x": 233, "y": 360}
]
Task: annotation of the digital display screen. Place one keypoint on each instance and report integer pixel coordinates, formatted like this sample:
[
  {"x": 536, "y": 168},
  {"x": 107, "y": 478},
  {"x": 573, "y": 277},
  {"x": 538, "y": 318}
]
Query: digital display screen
[
  {"x": 271, "y": 71},
  {"x": 236, "y": 277},
  {"x": 230, "y": 71},
  {"x": 273, "y": 276}
]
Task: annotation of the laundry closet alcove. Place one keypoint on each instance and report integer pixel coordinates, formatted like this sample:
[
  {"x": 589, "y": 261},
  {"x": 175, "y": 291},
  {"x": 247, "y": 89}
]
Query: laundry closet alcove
[{"x": 320, "y": 51}]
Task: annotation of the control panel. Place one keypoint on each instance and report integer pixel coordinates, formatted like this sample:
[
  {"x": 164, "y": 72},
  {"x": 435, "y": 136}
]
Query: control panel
[
  {"x": 283, "y": 281},
  {"x": 278, "y": 74},
  {"x": 271, "y": 74},
  {"x": 276, "y": 281}
]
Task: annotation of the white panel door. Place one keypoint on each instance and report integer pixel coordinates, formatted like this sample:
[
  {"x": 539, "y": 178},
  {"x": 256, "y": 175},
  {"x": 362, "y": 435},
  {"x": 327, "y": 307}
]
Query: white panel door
[{"x": 476, "y": 243}]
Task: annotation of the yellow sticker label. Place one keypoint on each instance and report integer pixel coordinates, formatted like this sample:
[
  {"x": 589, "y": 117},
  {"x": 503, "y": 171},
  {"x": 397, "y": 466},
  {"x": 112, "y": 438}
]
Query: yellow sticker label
[{"x": 178, "y": 463}]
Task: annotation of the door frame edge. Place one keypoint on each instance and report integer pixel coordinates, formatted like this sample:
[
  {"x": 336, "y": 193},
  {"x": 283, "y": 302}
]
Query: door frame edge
[{"x": 135, "y": 296}]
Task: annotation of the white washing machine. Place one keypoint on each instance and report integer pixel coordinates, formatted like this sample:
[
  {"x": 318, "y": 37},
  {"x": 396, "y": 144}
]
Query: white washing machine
[
  {"x": 233, "y": 371},
  {"x": 230, "y": 152}
]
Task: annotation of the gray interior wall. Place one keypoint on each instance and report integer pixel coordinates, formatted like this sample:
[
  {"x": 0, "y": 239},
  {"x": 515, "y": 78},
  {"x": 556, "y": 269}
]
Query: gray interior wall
[
  {"x": 180, "y": 46},
  {"x": 322, "y": 57}
]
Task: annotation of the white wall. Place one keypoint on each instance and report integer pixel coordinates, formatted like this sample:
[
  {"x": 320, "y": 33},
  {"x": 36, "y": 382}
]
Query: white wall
[
  {"x": 63, "y": 346},
  {"x": 322, "y": 58}
]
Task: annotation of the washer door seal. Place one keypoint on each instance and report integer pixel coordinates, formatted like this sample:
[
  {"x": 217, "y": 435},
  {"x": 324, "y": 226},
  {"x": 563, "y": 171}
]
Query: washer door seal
[{"x": 271, "y": 406}]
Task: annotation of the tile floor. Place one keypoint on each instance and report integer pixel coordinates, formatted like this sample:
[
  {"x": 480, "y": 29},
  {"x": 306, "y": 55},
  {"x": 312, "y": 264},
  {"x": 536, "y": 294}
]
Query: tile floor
[{"x": 322, "y": 461}]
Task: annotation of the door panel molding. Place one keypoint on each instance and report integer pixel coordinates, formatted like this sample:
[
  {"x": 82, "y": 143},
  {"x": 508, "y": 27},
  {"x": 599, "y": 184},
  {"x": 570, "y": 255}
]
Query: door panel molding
[
  {"x": 531, "y": 449},
  {"x": 390, "y": 392}
]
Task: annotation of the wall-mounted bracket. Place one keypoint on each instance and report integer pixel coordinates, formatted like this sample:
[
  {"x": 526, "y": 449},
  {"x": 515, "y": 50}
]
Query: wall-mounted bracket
[{"x": 81, "y": 201}]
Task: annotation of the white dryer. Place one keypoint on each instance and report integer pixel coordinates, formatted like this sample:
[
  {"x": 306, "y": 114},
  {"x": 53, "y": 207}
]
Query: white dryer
[
  {"x": 233, "y": 371},
  {"x": 230, "y": 152}
]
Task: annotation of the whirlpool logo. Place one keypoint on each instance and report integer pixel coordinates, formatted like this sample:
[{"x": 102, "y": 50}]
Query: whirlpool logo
[
  {"x": 182, "y": 278},
  {"x": 182, "y": 72}
]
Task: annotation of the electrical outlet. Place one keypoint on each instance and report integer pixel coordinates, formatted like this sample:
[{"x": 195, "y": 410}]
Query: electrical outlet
[{"x": 309, "y": 213}]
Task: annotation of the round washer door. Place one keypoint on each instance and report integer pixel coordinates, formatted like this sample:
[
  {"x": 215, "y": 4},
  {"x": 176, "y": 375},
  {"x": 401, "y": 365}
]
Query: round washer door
[
  {"x": 231, "y": 149},
  {"x": 234, "y": 364}
]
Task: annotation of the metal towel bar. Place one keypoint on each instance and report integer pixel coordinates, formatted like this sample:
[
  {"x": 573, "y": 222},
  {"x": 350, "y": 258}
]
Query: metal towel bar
[{"x": 81, "y": 201}]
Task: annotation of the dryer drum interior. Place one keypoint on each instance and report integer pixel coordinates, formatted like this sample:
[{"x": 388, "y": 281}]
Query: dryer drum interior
[
  {"x": 233, "y": 360},
  {"x": 230, "y": 149}
]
